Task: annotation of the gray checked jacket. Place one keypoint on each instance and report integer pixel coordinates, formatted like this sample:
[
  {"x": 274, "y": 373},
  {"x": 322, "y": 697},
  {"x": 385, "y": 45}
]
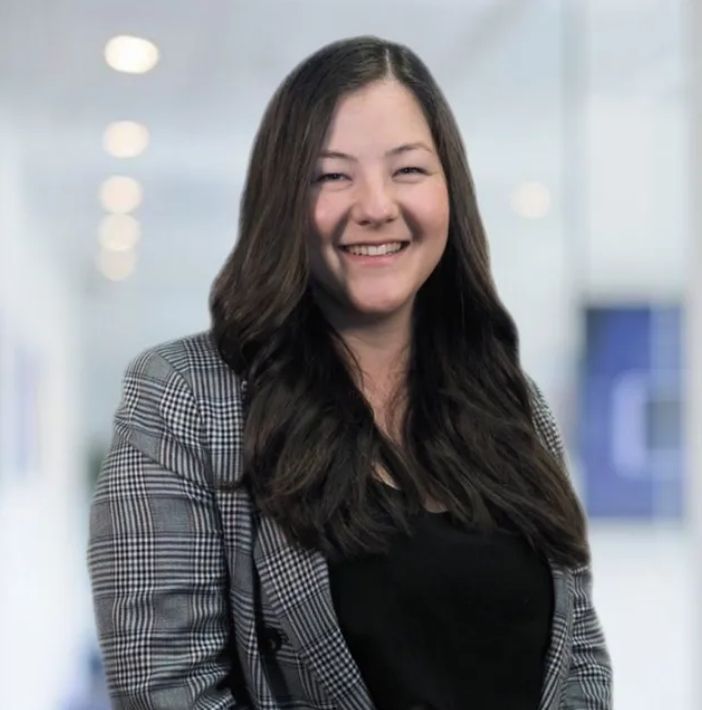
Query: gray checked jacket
[{"x": 199, "y": 599}]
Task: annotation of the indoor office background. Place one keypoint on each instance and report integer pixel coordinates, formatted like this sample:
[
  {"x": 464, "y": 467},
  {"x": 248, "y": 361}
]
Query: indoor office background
[{"x": 118, "y": 203}]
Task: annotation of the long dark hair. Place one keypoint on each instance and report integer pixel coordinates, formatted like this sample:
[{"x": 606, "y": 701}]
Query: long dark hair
[{"x": 310, "y": 439}]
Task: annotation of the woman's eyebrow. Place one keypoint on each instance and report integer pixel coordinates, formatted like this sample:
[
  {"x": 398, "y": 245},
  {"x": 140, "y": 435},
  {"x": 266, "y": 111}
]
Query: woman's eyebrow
[{"x": 393, "y": 151}]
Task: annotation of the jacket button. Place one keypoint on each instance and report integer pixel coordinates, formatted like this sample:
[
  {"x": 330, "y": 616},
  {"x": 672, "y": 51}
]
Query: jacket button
[{"x": 272, "y": 638}]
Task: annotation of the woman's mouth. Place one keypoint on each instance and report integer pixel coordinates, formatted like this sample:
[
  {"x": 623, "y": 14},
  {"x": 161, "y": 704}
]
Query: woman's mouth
[{"x": 374, "y": 253}]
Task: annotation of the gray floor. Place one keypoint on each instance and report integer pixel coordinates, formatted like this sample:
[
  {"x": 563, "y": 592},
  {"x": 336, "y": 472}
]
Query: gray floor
[{"x": 644, "y": 592}]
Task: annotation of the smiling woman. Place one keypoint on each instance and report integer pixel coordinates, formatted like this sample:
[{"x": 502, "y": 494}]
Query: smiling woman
[
  {"x": 347, "y": 493},
  {"x": 377, "y": 204}
]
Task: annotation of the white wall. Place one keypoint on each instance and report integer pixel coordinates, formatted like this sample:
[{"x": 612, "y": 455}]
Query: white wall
[{"x": 40, "y": 521}]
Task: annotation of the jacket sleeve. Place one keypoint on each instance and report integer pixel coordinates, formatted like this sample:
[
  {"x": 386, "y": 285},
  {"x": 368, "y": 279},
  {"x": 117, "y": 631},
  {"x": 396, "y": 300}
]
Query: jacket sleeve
[
  {"x": 155, "y": 556},
  {"x": 589, "y": 680}
]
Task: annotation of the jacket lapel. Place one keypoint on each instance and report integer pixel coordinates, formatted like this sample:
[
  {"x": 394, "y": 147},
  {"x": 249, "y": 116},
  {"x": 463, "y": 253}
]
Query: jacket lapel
[{"x": 296, "y": 582}]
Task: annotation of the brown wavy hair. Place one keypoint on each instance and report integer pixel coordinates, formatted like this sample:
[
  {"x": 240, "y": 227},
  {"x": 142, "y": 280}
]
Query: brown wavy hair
[{"x": 310, "y": 438}]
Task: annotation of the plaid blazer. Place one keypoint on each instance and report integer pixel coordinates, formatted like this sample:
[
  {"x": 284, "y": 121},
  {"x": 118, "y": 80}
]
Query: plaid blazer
[{"x": 201, "y": 602}]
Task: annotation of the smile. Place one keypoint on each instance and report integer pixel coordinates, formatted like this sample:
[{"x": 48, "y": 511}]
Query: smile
[
  {"x": 376, "y": 255},
  {"x": 375, "y": 250}
]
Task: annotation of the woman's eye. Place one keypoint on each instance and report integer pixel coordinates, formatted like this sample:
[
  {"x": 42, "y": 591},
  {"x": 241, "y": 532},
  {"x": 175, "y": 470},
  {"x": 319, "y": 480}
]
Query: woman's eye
[
  {"x": 338, "y": 177},
  {"x": 330, "y": 177}
]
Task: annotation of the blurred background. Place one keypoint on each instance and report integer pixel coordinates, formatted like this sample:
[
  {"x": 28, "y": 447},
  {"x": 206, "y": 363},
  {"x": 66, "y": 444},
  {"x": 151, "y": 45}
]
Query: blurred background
[{"x": 125, "y": 131}]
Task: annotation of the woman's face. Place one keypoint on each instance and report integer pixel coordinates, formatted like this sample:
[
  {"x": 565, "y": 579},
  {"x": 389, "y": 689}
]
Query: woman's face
[{"x": 379, "y": 185}]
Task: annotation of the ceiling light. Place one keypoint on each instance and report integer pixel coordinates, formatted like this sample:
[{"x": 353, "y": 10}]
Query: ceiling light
[
  {"x": 116, "y": 265},
  {"x": 133, "y": 55},
  {"x": 119, "y": 232},
  {"x": 125, "y": 139},
  {"x": 531, "y": 200},
  {"x": 120, "y": 194}
]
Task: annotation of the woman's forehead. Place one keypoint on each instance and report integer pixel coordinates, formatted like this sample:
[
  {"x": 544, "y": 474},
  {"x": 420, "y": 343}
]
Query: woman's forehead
[{"x": 379, "y": 118}]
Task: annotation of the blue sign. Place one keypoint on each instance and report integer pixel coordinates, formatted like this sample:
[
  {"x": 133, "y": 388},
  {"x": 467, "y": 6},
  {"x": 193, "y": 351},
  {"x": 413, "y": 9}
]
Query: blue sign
[{"x": 630, "y": 419}]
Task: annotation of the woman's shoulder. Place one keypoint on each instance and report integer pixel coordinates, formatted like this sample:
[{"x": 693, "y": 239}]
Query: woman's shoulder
[
  {"x": 188, "y": 354},
  {"x": 193, "y": 357},
  {"x": 187, "y": 369},
  {"x": 545, "y": 422}
]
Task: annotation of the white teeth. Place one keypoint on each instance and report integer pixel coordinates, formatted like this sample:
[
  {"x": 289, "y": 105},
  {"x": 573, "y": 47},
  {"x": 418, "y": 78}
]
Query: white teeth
[{"x": 379, "y": 250}]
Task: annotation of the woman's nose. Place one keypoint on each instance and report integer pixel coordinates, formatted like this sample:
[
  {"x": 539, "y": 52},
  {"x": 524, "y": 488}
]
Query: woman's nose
[{"x": 374, "y": 204}]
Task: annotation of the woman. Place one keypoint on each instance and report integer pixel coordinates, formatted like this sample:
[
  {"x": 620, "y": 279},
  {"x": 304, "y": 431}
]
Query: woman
[{"x": 346, "y": 494}]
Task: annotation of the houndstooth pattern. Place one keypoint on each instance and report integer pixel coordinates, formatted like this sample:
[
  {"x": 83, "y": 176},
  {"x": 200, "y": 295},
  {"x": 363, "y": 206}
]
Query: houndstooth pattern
[{"x": 201, "y": 602}]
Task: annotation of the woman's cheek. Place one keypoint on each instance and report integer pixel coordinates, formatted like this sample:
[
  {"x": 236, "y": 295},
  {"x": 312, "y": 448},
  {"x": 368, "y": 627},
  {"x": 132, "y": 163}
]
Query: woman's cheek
[
  {"x": 326, "y": 211},
  {"x": 437, "y": 209}
]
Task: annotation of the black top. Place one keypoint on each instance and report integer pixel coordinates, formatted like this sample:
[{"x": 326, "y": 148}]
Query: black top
[{"x": 450, "y": 619}]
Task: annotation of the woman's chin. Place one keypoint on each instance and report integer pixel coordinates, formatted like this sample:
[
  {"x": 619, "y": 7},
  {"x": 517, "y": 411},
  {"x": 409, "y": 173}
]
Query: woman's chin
[
  {"x": 360, "y": 305},
  {"x": 378, "y": 308}
]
